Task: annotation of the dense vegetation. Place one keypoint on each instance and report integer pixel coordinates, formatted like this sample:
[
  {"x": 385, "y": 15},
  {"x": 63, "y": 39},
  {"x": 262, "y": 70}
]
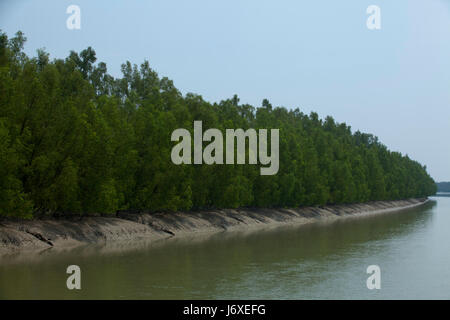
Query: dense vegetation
[
  {"x": 73, "y": 139},
  {"x": 443, "y": 186}
]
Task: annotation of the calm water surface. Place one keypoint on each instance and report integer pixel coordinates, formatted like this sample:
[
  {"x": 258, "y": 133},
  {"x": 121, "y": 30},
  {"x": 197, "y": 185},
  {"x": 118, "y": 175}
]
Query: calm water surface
[{"x": 326, "y": 261}]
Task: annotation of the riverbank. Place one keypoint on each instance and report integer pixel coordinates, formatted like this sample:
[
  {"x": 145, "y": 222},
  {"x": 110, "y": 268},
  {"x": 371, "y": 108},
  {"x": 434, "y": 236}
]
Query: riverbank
[{"x": 37, "y": 235}]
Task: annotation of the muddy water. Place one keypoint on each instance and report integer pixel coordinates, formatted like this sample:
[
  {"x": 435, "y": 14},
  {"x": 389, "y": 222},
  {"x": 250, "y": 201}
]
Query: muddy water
[{"x": 326, "y": 261}]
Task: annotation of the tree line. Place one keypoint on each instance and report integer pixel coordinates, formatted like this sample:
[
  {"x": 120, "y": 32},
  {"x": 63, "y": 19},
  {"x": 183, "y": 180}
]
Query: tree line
[
  {"x": 443, "y": 186},
  {"x": 74, "y": 139}
]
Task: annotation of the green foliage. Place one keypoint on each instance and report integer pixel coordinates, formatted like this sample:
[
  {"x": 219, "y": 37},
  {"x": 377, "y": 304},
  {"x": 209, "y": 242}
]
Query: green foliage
[{"x": 73, "y": 139}]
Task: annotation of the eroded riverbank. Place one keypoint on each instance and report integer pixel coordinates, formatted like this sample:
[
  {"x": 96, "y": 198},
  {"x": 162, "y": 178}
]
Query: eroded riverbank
[{"x": 39, "y": 235}]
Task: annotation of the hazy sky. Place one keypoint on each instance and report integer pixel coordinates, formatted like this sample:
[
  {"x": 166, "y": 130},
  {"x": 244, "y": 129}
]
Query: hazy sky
[{"x": 316, "y": 55}]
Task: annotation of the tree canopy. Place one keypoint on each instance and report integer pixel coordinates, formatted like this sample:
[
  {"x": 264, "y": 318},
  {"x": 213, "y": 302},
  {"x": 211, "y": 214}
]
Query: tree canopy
[{"x": 74, "y": 139}]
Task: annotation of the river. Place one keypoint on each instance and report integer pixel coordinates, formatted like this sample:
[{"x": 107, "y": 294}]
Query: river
[{"x": 317, "y": 261}]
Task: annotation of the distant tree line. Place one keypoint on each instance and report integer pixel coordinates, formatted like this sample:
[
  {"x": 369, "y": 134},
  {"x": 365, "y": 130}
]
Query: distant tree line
[
  {"x": 443, "y": 186},
  {"x": 74, "y": 139}
]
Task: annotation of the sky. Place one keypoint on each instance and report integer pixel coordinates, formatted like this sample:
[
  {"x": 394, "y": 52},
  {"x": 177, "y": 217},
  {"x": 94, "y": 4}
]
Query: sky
[{"x": 314, "y": 55}]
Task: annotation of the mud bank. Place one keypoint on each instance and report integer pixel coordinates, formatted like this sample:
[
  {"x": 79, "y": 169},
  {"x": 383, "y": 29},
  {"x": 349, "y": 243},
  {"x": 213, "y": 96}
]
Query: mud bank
[{"x": 37, "y": 235}]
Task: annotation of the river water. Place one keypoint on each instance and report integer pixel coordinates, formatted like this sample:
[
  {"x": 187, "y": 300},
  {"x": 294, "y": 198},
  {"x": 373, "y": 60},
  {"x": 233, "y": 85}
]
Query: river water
[{"x": 317, "y": 261}]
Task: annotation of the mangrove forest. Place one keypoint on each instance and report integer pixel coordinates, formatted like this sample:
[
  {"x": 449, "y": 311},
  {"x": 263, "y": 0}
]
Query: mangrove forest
[{"x": 76, "y": 140}]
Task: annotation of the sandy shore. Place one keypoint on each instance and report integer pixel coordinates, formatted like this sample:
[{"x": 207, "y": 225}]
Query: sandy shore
[{"x": 37, "y": 235}]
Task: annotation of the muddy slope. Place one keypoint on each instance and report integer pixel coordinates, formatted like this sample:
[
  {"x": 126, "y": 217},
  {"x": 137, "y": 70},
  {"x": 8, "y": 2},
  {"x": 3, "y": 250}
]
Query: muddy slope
[{"x": 37, "y": 235}]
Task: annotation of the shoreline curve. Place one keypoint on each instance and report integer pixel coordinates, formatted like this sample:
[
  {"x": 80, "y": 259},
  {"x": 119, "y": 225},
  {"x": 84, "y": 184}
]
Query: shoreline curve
[{"x": 63, "y": 233}]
